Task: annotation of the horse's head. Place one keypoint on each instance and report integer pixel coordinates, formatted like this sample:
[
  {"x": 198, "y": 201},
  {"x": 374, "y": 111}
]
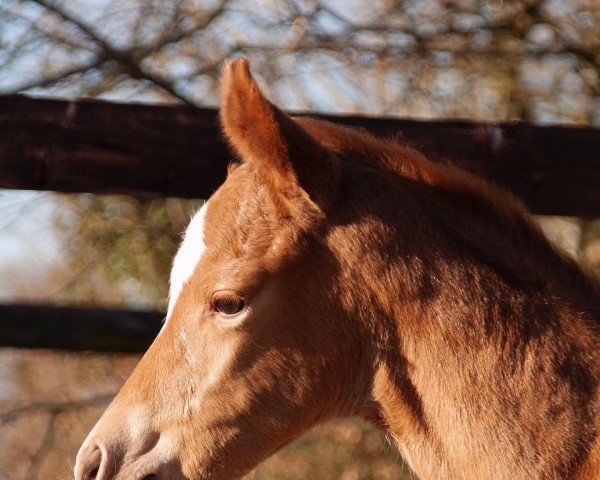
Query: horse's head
[{"x": 255, "y": 349}]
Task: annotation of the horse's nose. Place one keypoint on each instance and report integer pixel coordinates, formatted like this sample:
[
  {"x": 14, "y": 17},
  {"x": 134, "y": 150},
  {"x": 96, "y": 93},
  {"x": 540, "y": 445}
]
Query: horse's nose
[{"x": 94, "y": 463}]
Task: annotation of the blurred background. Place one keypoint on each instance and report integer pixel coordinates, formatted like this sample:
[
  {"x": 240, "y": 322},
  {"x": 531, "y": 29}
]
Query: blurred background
[{"x": 534, "y": 61}]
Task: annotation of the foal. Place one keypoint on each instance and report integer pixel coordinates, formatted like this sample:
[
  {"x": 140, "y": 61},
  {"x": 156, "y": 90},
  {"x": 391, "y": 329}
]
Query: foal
[{"x": 337, "y": 274}]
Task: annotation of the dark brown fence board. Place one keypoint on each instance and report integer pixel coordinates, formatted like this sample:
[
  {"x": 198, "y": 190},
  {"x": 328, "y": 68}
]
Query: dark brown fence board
[
  {"x": 94, "y": 146},
  {"x": 45, "y": 326}
]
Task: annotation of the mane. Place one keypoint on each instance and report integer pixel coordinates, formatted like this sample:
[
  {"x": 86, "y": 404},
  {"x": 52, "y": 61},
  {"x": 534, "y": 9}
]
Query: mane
[{"x": 486, "y": 218}]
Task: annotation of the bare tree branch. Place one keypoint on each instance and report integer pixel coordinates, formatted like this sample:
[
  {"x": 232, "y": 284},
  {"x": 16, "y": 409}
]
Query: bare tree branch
[
  {"x": 123, "y": 57},
  {"x": 59, "y": 35},
  {"x": 182, "y": 33},
  {"x": 60, "y": 75},
  {"x": 54, "y": 408},
  {"x": 46, "y": 444}
]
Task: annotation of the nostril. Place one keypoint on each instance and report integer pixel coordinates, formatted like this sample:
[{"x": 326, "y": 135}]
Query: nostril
[
  {"x": 152, "y": 476},
  {"x": 91, "y": 465}
]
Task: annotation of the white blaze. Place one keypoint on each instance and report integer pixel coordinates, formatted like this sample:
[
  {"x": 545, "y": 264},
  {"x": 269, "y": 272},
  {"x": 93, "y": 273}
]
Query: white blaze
[{"x": 190, "y": 252}]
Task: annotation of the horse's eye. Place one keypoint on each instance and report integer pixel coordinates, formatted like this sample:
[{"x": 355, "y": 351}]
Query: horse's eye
[{"x": 227, "y": 303}]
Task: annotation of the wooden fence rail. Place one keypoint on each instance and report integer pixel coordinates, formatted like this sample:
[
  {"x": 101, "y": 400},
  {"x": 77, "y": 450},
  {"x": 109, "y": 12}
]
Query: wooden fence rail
[
  {"x": 101, "y": 147},
  {"x": 92, "y": 146},
  {"x": 46, "y": 326}
]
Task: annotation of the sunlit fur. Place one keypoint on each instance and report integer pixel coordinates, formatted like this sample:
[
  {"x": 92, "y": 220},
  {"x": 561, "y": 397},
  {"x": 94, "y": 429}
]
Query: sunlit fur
[{"x": 376, "y": 284}]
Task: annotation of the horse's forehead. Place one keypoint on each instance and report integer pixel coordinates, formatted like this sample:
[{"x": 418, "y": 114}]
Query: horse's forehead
[{"x": 216, "y": 225}]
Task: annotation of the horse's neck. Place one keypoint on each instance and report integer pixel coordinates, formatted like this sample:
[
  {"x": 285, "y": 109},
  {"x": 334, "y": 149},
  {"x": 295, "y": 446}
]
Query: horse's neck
[
  {"x": 486, "y": 371},
  {"x": 488, "y": 338},
  {"x": 482, "y": 376}
]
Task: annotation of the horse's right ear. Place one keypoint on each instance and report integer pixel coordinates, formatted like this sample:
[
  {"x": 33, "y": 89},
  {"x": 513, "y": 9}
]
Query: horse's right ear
[{"x": 263, "y": 134}]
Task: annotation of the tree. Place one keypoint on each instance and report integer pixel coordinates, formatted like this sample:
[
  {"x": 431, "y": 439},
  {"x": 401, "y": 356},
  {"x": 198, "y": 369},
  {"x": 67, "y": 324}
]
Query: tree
[{"x": 535, "y": 59}]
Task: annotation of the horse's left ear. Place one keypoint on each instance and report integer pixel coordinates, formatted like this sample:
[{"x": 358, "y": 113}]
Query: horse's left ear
[{"x": 263, "y": 134}]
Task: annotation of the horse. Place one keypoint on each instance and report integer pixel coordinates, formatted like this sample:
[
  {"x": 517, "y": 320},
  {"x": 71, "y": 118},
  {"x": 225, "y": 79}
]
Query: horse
[{"x": 338, "y": 274}]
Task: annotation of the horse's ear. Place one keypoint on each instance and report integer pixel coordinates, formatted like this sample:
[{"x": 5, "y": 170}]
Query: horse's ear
[{"x": 262, "y": 133}]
